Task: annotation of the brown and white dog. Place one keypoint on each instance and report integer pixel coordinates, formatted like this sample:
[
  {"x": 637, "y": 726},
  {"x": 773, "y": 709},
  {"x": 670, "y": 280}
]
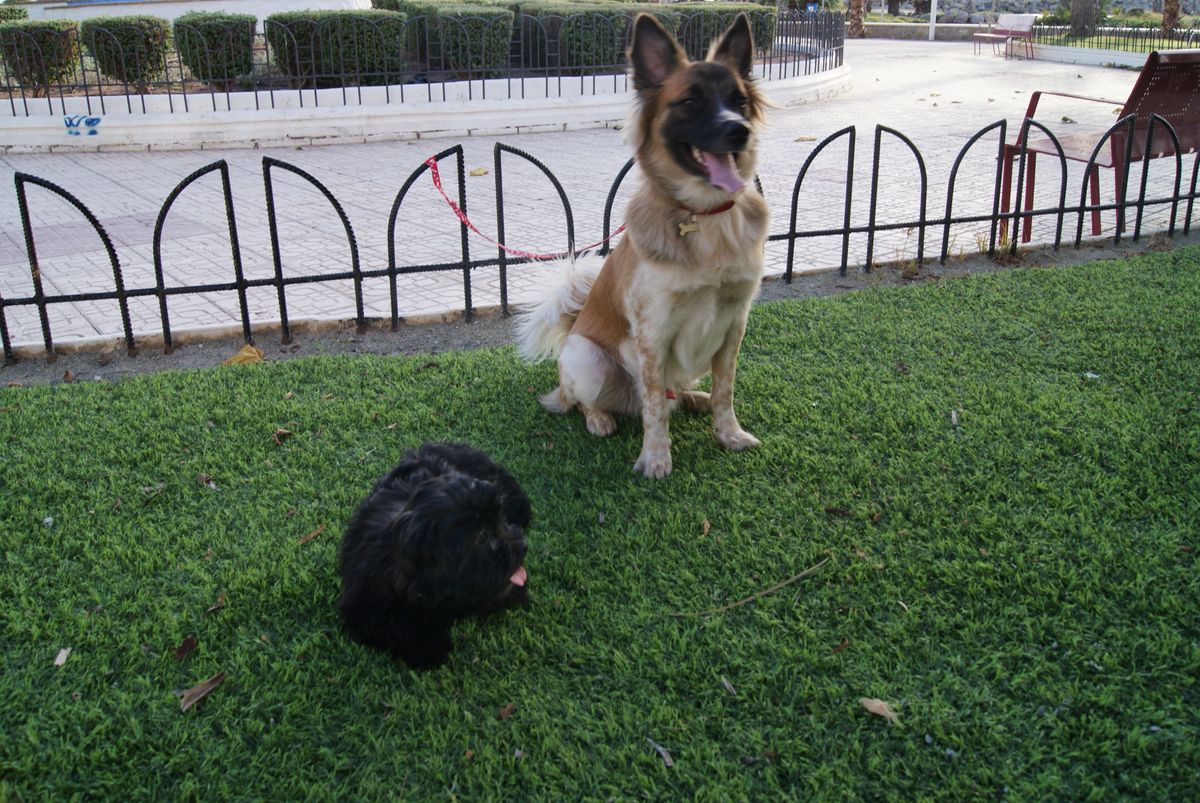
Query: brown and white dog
[{"x": 669, "y": 304}]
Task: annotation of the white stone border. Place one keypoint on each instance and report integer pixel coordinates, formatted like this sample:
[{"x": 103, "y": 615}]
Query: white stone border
[
  {"x": 1088, "y": 56},
  {"x": 330, "y": 122}
]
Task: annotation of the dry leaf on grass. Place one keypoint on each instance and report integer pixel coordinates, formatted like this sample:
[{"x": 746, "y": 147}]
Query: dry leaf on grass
[
  {"x": 246, "y": 355},
  {"x": 508, "y": 710},
  {"x": 313, "y": 534},
  {"x": 206, "y": 479},
  {"x": 68, "y": 377},
  {"x": 280, "y": 435},
  {"x": 201, "y": 690},
  {"x": 186, "y": 648},
  {"x": 61, "y": 658},
  {"x": 845, "y": 643},
  {"x": 880, "y": 709},
  {"x": 662, "y": 752},
  {"x": 728, "y": 686},
  {"x": 705, "y": 527},
  {"x": 218, "y": 605}
]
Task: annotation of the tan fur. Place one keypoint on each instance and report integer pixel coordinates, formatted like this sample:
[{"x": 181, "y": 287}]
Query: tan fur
[{"x": 667, "y": 309}]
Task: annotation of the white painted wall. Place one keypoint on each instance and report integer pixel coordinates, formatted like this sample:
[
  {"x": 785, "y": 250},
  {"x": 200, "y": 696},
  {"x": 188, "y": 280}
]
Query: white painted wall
[{"x": 66, "y": 125}]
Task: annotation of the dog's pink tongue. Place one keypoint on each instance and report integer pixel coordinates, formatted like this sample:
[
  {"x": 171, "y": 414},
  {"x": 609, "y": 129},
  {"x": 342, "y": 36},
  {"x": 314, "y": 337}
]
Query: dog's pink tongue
[
  {"x": 520, "y": 577},
  {"x": 722, "y": 171}
]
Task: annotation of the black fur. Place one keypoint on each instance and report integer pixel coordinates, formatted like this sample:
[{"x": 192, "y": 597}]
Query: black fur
[{"x": 437, "y": 539}]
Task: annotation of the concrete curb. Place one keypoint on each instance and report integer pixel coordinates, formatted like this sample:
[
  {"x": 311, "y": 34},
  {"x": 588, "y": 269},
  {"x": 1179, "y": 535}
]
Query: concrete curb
[{"x": 203, "y": 129}]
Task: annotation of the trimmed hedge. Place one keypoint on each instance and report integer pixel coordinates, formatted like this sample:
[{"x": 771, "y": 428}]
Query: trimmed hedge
[
  {"x": 473, "y": 39},
  {"x": 215, "y": 46},
  {"x": 40, "y": 52},
  {"x": 458, "y": 36},
  {"x": 701, "y": 23},
  {"x": 325, "y": 48},
  {"x": 11, "y": 13},
  {"x": 130, "y": 49}
]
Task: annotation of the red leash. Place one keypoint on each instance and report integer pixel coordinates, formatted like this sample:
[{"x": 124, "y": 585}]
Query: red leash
[{"x": 431, "y": 163}]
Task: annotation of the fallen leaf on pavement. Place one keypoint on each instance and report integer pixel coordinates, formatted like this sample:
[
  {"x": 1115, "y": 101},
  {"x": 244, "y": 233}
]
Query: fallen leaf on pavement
[
  {"x": 246, "y": 355},
  {"x": 880, "y": 709},
  {"x": 479, "y": 171},
  {"x": 201, "y": 690}
]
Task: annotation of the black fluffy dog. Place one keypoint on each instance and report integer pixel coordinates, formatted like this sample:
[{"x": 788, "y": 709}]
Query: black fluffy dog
[{"x": 440, "y": 537}]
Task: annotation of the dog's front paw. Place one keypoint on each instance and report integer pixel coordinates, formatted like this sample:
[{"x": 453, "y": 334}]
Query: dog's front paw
[
  {"x": 654, "y": 464},
  {"x": 737, "y": 439}
]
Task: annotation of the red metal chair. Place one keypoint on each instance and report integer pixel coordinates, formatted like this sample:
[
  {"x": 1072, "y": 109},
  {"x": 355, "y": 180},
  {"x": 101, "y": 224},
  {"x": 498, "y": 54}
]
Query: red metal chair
[{"x": 1168, "y": 86}]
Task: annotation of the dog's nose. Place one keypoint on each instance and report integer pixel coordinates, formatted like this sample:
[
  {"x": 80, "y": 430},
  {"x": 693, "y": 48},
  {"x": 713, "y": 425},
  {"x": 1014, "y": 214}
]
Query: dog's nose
[{"x": 735, "y": 133}]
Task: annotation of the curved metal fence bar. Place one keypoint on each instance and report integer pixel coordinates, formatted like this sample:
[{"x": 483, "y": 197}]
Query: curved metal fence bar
[
  {"x": 1025, "y": 163},
  {"x": 318, "y": 61},
  {"x": 392, "y": 268},
  {"x": 1002, "y": 125},
  {"x": 280, "y": 281},
  {"x": 880, "y": 130},
  {"x": 1156, "y": 119},
  {"x": 792, "y": 233},
  {"x": 502, "y": 255},
  {"x": 40, "y": 299},
  {"x": 240, "y": 285},
  {"x": 822, "y": 222},
  {"x": 1128, "y": 121},
  {"x": 606, "y": 228}
]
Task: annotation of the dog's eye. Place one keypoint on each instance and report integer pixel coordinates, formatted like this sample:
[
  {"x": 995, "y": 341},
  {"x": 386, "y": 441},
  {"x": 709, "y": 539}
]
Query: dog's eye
[
  {"x": 686, "y": 102},
  {"x": 495, "y": 545}
]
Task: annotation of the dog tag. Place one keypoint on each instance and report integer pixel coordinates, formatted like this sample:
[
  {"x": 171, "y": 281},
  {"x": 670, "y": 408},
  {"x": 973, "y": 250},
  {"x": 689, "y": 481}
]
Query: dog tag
[{"x": 690, "y": 226}]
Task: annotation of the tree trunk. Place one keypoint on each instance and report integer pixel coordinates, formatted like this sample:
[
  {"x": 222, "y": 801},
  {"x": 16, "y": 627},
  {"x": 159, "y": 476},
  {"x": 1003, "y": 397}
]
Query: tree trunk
[
  {"x": 894, "y": 7},
  {"x": 1170, "y": 16},
  {"x": 1083, "y": 17},
  {"x": 856, "y": 30}
]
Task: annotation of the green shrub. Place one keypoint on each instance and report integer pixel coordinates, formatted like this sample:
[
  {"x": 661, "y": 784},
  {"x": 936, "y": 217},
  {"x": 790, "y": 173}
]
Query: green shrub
[
  {"x": 130, "y": 49},
  {"x": 215, "y": 46},
  {"x": 595, "y": 38},
  {"x": 701, "y": 23},
  {"x": 325, "y": 48},
  {"x": 472, "y": 39},
  {"x": 10, "y": 13},
  {"x": 39, "y": 53}
]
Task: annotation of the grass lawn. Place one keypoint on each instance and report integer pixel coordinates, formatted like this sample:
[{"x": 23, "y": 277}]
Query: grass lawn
[{"x": 1004, "y": 473}]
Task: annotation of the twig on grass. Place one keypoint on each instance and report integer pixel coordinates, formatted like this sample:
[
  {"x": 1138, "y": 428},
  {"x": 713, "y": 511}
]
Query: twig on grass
[{"x": 811, "y": 570}]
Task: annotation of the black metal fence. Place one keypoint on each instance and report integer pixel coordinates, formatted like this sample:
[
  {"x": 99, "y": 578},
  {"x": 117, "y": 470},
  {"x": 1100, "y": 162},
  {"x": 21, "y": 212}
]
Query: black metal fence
[
  {"x": 1131, "y": 201},
  {"x": 226, "y": 67},
  {"x": 1123, "y": 38}
]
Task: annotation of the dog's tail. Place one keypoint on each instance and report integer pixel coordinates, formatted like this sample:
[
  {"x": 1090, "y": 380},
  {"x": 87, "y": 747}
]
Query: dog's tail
[{"x": 542, "y": 328}]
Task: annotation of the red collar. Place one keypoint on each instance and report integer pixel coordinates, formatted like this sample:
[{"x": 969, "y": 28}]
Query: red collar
[{"x": 716, "y": 210}]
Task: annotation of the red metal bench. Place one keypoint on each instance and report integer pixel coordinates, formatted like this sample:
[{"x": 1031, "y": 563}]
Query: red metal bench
[
  {"x": 1009, "y": 28},
  {"x": 1167, "y": 86}
]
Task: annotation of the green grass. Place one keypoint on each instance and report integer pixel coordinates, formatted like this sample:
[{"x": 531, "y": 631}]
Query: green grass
[{"x": 1021, "y": 586}]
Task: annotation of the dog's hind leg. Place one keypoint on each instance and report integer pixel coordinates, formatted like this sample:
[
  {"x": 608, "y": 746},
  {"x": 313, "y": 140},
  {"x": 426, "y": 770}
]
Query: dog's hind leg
[{"x": 593, "y": 382}]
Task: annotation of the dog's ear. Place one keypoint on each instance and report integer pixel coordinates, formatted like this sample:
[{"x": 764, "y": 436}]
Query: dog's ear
[
  {"x": 735, "y": 47},
  {"x": 654, "y": 53}
]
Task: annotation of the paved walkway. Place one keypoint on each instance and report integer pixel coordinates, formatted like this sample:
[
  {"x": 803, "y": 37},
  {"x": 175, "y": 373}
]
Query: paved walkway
[{"x": 937, "y": 94}]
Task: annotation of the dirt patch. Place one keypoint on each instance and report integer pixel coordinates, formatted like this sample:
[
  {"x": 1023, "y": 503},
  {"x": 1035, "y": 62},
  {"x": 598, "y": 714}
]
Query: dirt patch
[{"x": 490, "y": 329}]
